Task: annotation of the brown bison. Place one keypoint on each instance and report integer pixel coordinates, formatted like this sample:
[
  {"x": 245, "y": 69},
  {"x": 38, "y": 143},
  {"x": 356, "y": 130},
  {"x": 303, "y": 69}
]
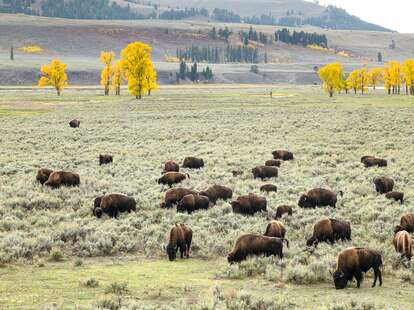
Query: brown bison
[
  {"x": 318, "y": 197},
  {"x": 62, "y": 178},
  {"x": 352, "y": 262},
  {"x": 383, "y": 185},
  {"x": 193, "y": 163},
  {"x": 217, "y": 192},
  {"x": 250, "y": 244},
  {"x": 191, "y": 203},
  {"x": 273, "y": 163},
  {"x": 43, "y": 175},
  {"x": 406, "y": 223},
  {"x": 329, "y": 230},
  {"x": 371, "y": 161},
  {"x": 171, "y": 166},
  {"x": 74, "y": 123},
  {"x": 282, "y": 155},
  {"x": 237, "y": 173},
  {"x": 172, "y": 177},
  {"x": 283, "y": 209},
  {"x": 268, "y": 188},
  {"x": 403, "y": 244},
  {"x": 113, "y": 204},
  {"x": 249, "y": 204},
  {"x": 397, "y": 196},
  {"x": 264, "y": 172},
  {"x": 174, "y": 195},
  {"x": 275, "y": 229},
  {"x": 105, "y": 159},
  {"x": 180, "y": 237}
]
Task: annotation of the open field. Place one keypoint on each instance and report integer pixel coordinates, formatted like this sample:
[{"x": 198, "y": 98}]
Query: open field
[{"x": 230, "y": 126}]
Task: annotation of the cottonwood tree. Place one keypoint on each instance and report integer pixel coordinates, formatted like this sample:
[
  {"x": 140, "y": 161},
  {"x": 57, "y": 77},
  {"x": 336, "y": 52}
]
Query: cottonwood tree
[
  {"x": 54, "y": 75},
  {"x": 375, "y": 76},
  {"x": 408, "y": 71},
  {"x": 107, "y": 58},
  {"x": 332, "y": 77},
  {"x": 117, "y": 78}
]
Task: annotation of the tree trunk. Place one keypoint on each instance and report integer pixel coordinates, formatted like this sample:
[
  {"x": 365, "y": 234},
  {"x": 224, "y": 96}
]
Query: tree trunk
[{"x": 58, "y": 91}]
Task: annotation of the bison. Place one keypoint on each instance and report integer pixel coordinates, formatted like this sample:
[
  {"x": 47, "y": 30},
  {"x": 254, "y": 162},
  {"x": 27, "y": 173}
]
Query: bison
[
  {"x": 249, "y": 204},
  {"x": 74, "y": 123},
  {"x": 383, "y": 185},
  {"x": 113, "y": 204},
  {"x": 180, "y": 237},
  {"x": 191, "y": 203},
  {"x": 268, "y": 188},
  {"x": 217, "y": 192},
  {"x": 352, "y": 262},
  {"x": 282, "y": 155},
  {"x": 397, "y": 196},
  {"x": 283, "y": 209},
  {"x": 403, "y": 244},
  {"x": 174, "y": 195},
  {"x": 62, "y": 178},
  {"x": 275, "y": 229},
  {"x": 237, "y": 173},
  {"x": 406, "y": 223},
  {"x": 105, "y": 159},
  {"x": 318, "y": 197},
  {"x": 264, "y": 172},
  {"x": 43, "y": 175},
  {"x": 171, "y": 166},
  {"x": 193, "y": 163},
  {"x": 273, "y": 163},
  {"x": 250, "y": 244},
  {"x": 329, "y": 230},
  {"x": 371, "y": 161},
  {"x": 171, "y": 178}
]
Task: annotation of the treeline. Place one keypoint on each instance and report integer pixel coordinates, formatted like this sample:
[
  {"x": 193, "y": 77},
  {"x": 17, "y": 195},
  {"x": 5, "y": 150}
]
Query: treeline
[
  {"x": 226, "y": 16},
  {"x": 17, "y": 6},
  {"x": 253, "y": 35},
  {"x": 183, "y": 14},
  {"x": 301, "y": 38},
  {"x": 191, "y": 73}
]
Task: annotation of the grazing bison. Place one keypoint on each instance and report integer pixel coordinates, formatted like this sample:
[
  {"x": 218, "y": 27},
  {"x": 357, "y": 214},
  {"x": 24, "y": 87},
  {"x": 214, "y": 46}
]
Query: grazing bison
[
  {"x": 174, "y": 195},
  {"x": 273, "y": 163},
  {"x": 268, "y": 188},
  {"x": 249, "y": 204},
  {"x": 275, "y": 229},
  {"x": 43, "y": 175},
  {"x": 217, "y": 192},
  {"x": 193, "y": 163},
  {"x": 329, "y": 230},
  {"x": 62, "y": 178},
  {"x": 191, "y": 203},
  {"x": 171, "y": 178},
  {"x": 237, "y": 173},
  {"x": 264, "y": 172},
  {"x": 250, "y": 244},
  {"x": 397, "y": 196},
  {"x": 403, "y": 244},
  {"x": 371, "y": 161},
  {"x": 406, "y": 223},
  {"x": 282, "y": 154},
  {"x": 105, "y": 159},
  {"x": 352, "y": 262},
  {"x": 171, "y": 166},
  {"x": 318, "y": 197},
  {"x": 74, "y": 123},
  {"x": 180, "y": 237},
  {"x": 283, "y": 209},
  {"x": 383, "y": 185},
  {"x": 113, "y": 204}
]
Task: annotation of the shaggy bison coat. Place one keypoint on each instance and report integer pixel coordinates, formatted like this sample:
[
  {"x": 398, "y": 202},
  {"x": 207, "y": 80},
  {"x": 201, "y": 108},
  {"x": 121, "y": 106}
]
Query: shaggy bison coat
[
  {"x": 264, "y": 172},
  {"x": 172, "y": 177},
  {"x": 174, "y": 195},
  {"x": 282, "y": 155},
  {"x": 268, "y": 188},
  {"x": 237, "y": 173},
  {"x": 171, "y": 166},
  {"x": 329, "y": 230},
  {"x": 281, "y": 210},
  {"x": 406, "y": 223},
  {"x": 273, "y": 163},
  {"x": 105, "y": 159},
  {"x": 318, "y": 197},
  {"x": 43, "y": 175},
  {"x": 249, "y": 204},
  {"x": 217, "y": 192},
  {"x": 191, "y": 203},
  {"x": 250, "y": 244},
  {"x": 193, "y": 163},
  {"x": 275, "y": 229},
  {"x": 384, "y": 185},
  {"x": 397, "y": 196},
  {"x": 352, "y": 262},
  {"x": 113, "y": 204},
  {"x": 403, "y": 244},
  {"x": 371, "y": 161},
  {"x": 180, "y": 237},
  {"x": 74, "y": 123},
  {"x": 62, "y": 178}
]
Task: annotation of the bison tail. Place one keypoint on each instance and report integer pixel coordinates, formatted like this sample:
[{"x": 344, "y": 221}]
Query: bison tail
[
  {"x": 287, "y": 242},
  {"x": 341, "y": 193},
  {"x": 188, "y": 176}
]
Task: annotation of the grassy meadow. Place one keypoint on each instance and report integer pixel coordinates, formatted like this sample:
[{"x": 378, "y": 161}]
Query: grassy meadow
[{"x": 55, "y": 255}]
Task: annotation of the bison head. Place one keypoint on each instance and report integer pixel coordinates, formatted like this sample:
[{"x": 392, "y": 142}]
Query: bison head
[
  {"x": 306, "y": 202},
  {"x": 98, "y": 212},
  {"x": 398, "y": 228},
  {"x": 340, "y": 280},
  {"x": 312, "y": 241},
  {"x": 97, "y": 202},
  {"x": 171, "y": 252}
]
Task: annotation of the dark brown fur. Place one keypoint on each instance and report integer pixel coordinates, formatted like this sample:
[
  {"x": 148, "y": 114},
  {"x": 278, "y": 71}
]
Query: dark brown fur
[
  {"x": 281, "y": 210},
  {"x": 273, "y": 163},
  {"x": 180, "y": 237},
  {"x": 171, "y": 166},
  {"x": 113, "y": 204},
  {"x": 403, "y": 244},
  {"x": 191, "y": 203},
  {"x": 171, "y": 178},
  {"x": 268, "y": 188},
  {"x": 74, "y": 123},
  {"x": 43, "y": 175},
  {"x": 105, "y": 159},
  {"x": 283, "y": 155},
  {"x": 62, "y": 178},
  {"x": 264, "y": 172},
  {"x": 397, "y": 196},
  {"x": 275, "y": 229},
  {"x": 217, "y": 192},
  {"x": 174, "y": 195},
  {"x": 329, "y": 230},
  {"x": 193, "y": 163},
  {"x": 318, "y": 197},
  {"x": 406, "y": 223},
  {"x": 384, "y": 185},
  {"x": 249, "y": 204},
  {"x": 237, "y": 173},
  {"x": 370, "y": 161}
]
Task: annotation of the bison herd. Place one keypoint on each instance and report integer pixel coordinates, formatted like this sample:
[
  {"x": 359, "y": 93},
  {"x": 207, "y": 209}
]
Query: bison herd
[{"x": 351, "y": 263}]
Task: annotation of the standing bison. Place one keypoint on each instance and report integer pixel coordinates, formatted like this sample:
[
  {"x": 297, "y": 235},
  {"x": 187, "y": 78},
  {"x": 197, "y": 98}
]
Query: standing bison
[
  {"x": 192, "y": 202},
  {"x": 174, "y": 195},
  {"x": 171, "y": 166},
  {"x": 397, "y": 196},
  {"x": 249, "y": 204},
  {"x": 193, "y": 163},
  {"x": 273, "y": 163},
  {"x": 264, "y": 172},
  {"x": 171, "y": 178},
  {"x": 179, "y": 238},
  {"x": 105, "y": 159},
  {"x": 403, "y": 244},
  {"x": 283, "y": 209},
  {"x": 275, "y": 229},
  {"x": 329, "y": 230},
  {"x": 43, "y": 175},
  {"x": 318, "y": 197},
  {"x": 371, "y": 161},
  {"x": 268, "y": 188},
  {"x": 217, "y": 192},
  {"x": 383, "y": 185},
  {"x": 113, "y": 204},
  {"x": 406, "y": 223},
  {"x": 62, "y": 178},
  {"x": 74, "y": 123},
  {"x": 282, "y": 155},
  {"x": 352, "y": 262}
]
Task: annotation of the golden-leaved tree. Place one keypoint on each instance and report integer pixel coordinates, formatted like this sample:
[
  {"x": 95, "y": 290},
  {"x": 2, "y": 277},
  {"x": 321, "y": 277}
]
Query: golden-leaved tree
[
  {"x": 332, "y": 77},
  {"x": 54, "y": 75},
  {"x": 117, "y": 78},
  {"x": 408, "y": 71},
  {"x": 375, "y": 76},
  {"x": 395, "y": 77},
  {"x": 137, "y": 65},
  {"x": 107, "y": 58},
  {"x": 353, "y": 81},
  {"x": 363, "y": 80}
]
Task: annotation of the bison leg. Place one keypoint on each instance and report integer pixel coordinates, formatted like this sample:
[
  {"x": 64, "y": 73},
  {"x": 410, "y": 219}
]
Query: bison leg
[
  {"x": 358, "y": 277},
  {"x": 183, "y": 250},
  {"x": 377, "y": 274},
  {"x": 188, "y": 249}
]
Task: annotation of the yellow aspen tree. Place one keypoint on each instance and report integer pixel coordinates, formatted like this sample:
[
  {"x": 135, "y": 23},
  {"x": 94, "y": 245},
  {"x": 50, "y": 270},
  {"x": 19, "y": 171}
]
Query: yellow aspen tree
[
  {"x": 332, "y": 78},
  {"x": 54, "y": 75},
  {"x": 395, "y": 76},
  {"x": 363, "y": 80},
  {"x": 107, "y": 58},
  {"x": 353, "y": 81},
  {"x": 387, "y": 79},
  {"x": 151, "y": 79},
  {"x": 117, "y": 78},
  {"x": 408, "y": 71},
  {"x": 375, "y": 77}
]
